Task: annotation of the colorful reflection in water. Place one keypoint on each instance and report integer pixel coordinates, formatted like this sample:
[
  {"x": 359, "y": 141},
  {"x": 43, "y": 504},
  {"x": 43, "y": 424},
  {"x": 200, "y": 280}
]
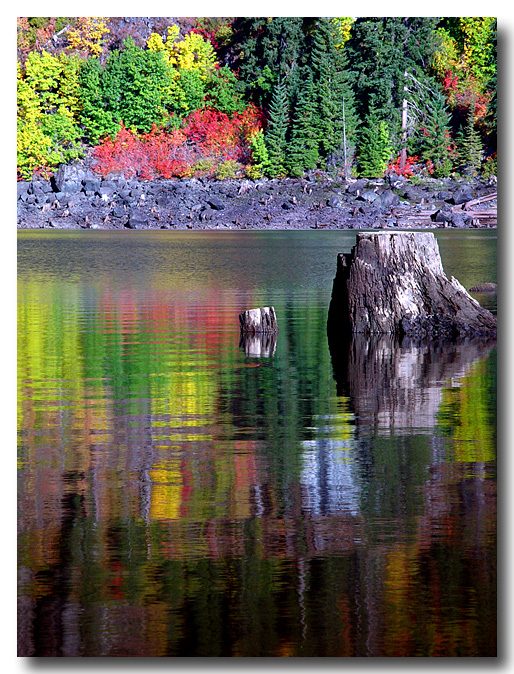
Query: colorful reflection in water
[{"x": 179, "y": 497}]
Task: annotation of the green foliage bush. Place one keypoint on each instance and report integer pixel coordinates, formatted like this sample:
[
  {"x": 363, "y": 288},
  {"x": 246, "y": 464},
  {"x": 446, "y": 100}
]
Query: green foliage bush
[
  {"x": 225, "y": 92},
  {"x": 229, "y": 169},
  {"x": 260, "y": 157},
  {"x": 187, "y": 92},
  {"x": 490, "y": 167},
  {"x": 203, "y": 167},
  {"x": 97, "y": 120}
]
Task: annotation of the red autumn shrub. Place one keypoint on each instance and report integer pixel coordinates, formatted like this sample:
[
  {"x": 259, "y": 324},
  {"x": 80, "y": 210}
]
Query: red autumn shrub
[
  {"x": 250, "y": 120},
  {"x": 214, "y": 133},
  {"x": 407, "y": 171},
  {"x": 168, "y": 154},
  {"x": 206, "y": 136},
  {"x": 147, "y": 156}
]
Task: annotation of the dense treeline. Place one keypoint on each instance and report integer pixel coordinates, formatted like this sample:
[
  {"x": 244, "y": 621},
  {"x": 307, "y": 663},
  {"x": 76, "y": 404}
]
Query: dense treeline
[{"x": 164, "y": 97}]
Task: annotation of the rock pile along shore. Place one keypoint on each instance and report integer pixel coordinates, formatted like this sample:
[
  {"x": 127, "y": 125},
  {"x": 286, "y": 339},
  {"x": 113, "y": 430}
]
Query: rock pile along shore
[{"x": 76, "y": 198}]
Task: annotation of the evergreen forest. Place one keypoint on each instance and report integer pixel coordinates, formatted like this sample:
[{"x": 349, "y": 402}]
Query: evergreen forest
[{"x": 257, "y": 97}]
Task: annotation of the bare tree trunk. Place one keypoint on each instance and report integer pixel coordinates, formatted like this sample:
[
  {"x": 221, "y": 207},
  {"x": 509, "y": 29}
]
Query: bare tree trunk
[
  {"x": 344, "y": 145},
  {"x": 403, "y": 155},
  {"x": 395, "y": 284}
]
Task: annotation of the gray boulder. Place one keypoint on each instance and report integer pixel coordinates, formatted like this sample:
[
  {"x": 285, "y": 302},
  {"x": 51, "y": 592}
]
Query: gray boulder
[
  {"x": 136, "y": 221},
  {"x": 357, "y": 186},
  {"x": 442, "y": 216},
  {"x": 462, "y": 194},
  {"x": 334, "y": 202},
  {"x": 388, "y": 199},
  {"x": 69, "y": 177},
  {"x": 414, "y": 195},
  {"x": 216, "y": 203},
  {"x": 368, "y": 196},
  {"x": 444, "y": 195}
]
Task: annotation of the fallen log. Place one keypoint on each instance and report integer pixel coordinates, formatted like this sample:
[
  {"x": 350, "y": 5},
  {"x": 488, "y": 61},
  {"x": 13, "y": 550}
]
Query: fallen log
[
  {"x": 491, "y": 213},
  {"x": 475, "y": 202},
  {"x": 394, "y": 283}
]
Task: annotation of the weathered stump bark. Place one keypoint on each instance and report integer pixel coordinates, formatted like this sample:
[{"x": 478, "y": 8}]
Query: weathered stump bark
[
  {"x": 262, "y": 321},
  {"x": 395, "y": 284}
]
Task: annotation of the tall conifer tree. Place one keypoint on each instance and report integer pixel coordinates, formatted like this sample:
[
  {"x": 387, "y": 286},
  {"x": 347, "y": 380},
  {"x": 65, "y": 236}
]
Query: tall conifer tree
[
  {"x": 469, "y": 142},
  {"x": 276, "y": 130},
  {"x": 381, "y": 50},
  {"x": 334, "y": 123},
  {"x": 303, "y": 148}
]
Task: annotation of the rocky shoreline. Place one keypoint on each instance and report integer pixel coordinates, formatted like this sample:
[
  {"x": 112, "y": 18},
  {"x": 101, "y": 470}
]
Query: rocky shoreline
[{"x": 77, "y": 198}]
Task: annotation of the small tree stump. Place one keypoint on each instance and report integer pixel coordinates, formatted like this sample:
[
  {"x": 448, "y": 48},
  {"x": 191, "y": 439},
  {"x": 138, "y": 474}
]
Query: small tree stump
[
  {"x": 395, "y": 284},
  {"x": 262, "y": 321}
]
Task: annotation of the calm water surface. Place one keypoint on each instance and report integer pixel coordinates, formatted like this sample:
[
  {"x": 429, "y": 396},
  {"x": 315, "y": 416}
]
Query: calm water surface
[{"x": 178, "y": 496}]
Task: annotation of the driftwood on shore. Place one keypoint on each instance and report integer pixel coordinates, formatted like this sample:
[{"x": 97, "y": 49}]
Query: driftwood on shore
[{"x": 395, "y": 284}]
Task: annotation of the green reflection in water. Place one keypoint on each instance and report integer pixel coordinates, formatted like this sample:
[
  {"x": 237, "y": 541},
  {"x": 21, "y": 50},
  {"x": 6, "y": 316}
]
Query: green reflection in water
[{"x": 180, "y": 498}]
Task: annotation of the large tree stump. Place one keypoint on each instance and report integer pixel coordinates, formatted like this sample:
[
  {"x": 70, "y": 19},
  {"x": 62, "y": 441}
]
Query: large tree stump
[
  {"x": 395, "y": 284},
  {"x": 262, "y": 321}
]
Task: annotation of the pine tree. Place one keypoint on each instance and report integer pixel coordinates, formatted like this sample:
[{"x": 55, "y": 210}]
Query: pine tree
[
  {"x": 435, "y": 139},
  {"x": 276, "y": 130},
  {"x": 303, "y": 149},
  {"x": 348, "y": 119},
  {"x": 374, "y": 147},
  {"x": 323, "y": 67},
  {"x": 265, "y": 50},
  {"x": 381, "y": 50},
  {"x": 336, "y": 121},
  {"x": 470, "y": 147}
]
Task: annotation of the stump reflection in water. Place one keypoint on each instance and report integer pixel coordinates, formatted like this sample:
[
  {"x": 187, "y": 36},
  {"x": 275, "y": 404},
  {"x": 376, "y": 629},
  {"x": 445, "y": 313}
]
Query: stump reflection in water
[
  {"x": 396, "y": 384},
  {"x": 259, "y": 345}
]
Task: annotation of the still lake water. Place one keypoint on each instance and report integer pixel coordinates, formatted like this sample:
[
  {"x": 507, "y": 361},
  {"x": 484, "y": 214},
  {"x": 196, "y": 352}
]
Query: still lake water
[{"x": 180, "y": 497}]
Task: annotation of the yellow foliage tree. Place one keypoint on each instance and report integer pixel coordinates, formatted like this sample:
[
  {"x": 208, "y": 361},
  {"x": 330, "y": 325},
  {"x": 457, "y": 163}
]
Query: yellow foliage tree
[
  {"x": 48, "y": 109},
  {"x": 86, "y": 36},
  {"x": 344, "y": 29},
  {"x": 33, "y": 146},
  {"x": 191, "y": 53}
]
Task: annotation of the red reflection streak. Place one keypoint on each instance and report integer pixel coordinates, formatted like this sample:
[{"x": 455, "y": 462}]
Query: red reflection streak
[
  {"x": 116, "y": 584},
  {"x": 126, "y": 314},
  {"x": 187, "y": 487}
]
